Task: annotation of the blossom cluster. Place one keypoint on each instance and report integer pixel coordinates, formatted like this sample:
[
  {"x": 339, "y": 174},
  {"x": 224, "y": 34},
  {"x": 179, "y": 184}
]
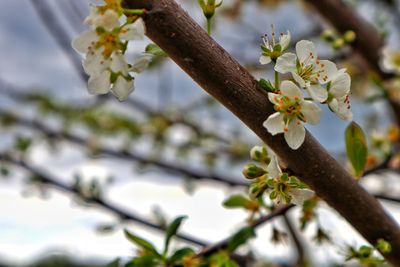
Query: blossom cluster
[
  {"x": 281, "y": 187},
  {"x": 104, "y": 46},
  {"x": 321, "y": 79}
]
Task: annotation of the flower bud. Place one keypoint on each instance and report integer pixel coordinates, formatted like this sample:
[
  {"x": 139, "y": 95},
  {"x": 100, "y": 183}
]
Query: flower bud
[
  {"x": 259, "y": 153},
  {"x": 328, "y": 35},
  {"x": 338, "y": 43},
  {"x": 252, "y": 171},
  {"x": 349, "y": 36}
]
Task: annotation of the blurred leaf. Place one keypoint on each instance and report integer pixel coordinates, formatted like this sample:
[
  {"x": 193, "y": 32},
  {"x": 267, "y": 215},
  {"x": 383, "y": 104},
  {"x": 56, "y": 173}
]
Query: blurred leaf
[
  {"x": 172, "y": 229},
  {"x": 237, "y": 201},
  {"x": 356, "y": 148},
  {"x": 180, "y": 254},
  {"x": 22, "y": 144},
  {"x": 144, "y": 261},
  {"x": 144, "y": 244},
  {"x": 240, "y": 238},
  {"x": 114, "y": 263},
  {"x": 155, "y": 50}
]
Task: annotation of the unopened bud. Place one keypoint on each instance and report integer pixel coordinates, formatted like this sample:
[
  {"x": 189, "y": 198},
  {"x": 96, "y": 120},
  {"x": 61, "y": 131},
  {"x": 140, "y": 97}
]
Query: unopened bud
[
  {"x": 328, "y": 35},
  {"x": 349, "y": 36},
  {"x": 338, "y": 43},
  {"x": 259, "y": 153},
  {"x": 252, "y": 171}
]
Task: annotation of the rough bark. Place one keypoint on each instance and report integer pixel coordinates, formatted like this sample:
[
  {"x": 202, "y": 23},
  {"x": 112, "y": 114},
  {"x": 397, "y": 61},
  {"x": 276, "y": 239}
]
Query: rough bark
[{"x": 231, "y": 84}]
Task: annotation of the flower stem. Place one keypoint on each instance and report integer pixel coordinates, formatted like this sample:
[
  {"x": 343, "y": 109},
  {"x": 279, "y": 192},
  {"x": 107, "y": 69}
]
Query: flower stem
[
  {"x": 134, "y": 11},
  {"x": 209, "y": 26},
  {"x": 276, "y": 80}
]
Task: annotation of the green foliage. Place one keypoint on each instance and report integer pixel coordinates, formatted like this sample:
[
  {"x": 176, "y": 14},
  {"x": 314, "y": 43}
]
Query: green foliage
[
  {"x": 142, "y": 243},
  {"x": 155, "y": 50},
  {"x": 356, "y": 148},
  {"x": 266, "y": 85},
  {"x": 172, "y": 229},
  {"x": 240, "y": 238},
  {"x": 239, "y": 201},
  {"x": 221, "y": 259}
]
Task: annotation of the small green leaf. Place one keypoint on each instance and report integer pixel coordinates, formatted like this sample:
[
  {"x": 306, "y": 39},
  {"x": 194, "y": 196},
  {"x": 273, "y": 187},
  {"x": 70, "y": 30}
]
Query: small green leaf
[
  {"x": 266, "y": 85},
  {"x": 114, "y": 263},
  {"x": 356, "y": 147},
  {"x": 172, "y": 229},
  {"x": 144, "y": 261},
  {"x": 240, "y": 238},
  {"x": 237, "y": 201},
  {"x": 155, "y": 50},
  {"x": 180, "y": 254},
  {"x": 144, "y": 244}
]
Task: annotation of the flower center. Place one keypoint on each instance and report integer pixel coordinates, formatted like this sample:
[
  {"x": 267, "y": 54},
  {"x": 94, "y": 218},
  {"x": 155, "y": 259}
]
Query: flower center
[{"x": 290, "y": 107}]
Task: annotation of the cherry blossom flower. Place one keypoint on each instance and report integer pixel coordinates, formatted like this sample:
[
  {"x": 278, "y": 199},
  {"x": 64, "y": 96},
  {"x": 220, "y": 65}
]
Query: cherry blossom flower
[
  {"x": 390, "y": 60},
  {"x": 271, "y": 50},
  {"x": 307, "y": 69},
  {"x": 338, "y": 99},
  {"x": 296, "y": 195},
  {"x": 104, "y": 48},
  {"x": 292, "y": 112}
]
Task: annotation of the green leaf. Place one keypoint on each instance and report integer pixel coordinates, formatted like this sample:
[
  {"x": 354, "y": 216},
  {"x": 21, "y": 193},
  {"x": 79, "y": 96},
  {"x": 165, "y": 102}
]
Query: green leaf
[
  {"x": 180, "y": 254},
  {"x": 155, "y": 50},
  {"x": 237, "y": 201},
  {"x": 240, "y": 238},
  {"x": 144, "y": 261},
  {"x": 114, "y": 263},
  {"x": 172, "y": 229},
  {"x": 356, "y": 147},
  {"x": 144, "y": 244},
  {"x": 266, "y": 85}
]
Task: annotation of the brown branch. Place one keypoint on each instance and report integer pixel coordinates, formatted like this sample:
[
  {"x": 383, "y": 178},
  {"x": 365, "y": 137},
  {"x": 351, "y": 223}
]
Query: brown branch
[
  {"x": 301, "y": 256},
  {"x": 123, "y": 214},
  {"x": 227, "y": 81},
  {"x": 127, "y": 155},
  {"x": 207, "y": 251}
]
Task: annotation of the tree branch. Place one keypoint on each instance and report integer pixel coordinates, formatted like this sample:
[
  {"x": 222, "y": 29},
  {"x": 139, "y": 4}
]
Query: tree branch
[
  {"x": 231, "y": 84},
  {"x": 123, "y": 214},
  {"x": 207, "y": 251}
]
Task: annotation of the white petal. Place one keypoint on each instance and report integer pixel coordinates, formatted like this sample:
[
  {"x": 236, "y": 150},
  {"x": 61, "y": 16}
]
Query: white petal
[
  {"x": 341, "y": 108},
  {"x": 286, "y": 63},
  {"x": 118, "y": 63},
  {"x": 317, "y": 92},
  {"x": 274, "y": 98},
  {"x": 273, "y": 168},
  {"x": 306, "y": 52},
  {"x": 299, "y": 80},
  {"x": 275, "y": 124},
  {"x": 142, "y": 63},
  {"x": 109, "y": 20},
  {"x": 284, "y": 40},
  {"x": 133, "y": 31},
  {"x": 327, "y": 69},
  {"x": 311, "y": 112},
  {"x": 92, "y": 16},
  {"x": 265, "y": 60},
  {"x": 291, "y": 90},
  {"x": 85, "y": 40},
  {"x": 295, "y": 135},
  {"x": 300, "y": 195},
  {"x": 99, "y": 84},
  {"x": 95, "y": 63},
  {"x": 122, "y": 88},
  {"x": 340, "y": 85}
]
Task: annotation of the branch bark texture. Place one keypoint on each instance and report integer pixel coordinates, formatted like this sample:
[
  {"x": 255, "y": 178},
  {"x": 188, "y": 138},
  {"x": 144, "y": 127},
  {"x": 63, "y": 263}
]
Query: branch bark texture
[{"x": 169, "y": 26}]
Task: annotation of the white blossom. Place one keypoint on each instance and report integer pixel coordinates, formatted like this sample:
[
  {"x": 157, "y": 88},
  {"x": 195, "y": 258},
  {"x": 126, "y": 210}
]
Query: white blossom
[
  {"x": 292, "y": 111},
  {"x": 142, "y": 63},
  {"x": 271, "y": 49},
  {"x": 338, "y": 100},
  {"x": 307, "y": 69},
  {"x": 390, "y": 61}
]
